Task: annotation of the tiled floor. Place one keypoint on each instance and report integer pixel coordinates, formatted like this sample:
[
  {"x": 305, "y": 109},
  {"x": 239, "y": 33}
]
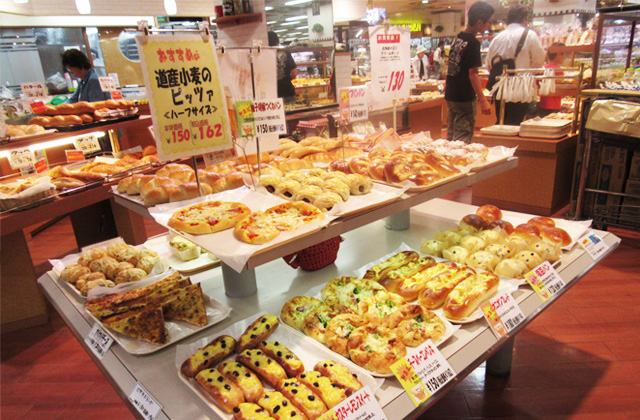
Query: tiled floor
[{"x": 580, "y": 359}]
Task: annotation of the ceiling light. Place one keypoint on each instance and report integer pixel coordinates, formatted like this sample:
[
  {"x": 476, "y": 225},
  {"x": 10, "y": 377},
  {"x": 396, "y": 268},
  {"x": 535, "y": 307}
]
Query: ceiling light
[
  {"x": 290, "y": 23},
  {"x": 302, "y": 27},
  {"x": 21, "y": 1},
  {"x": 301, "y": 17},
  {"x": 271, "y": 22},
  {"x": 294, "y": 2},
  {"x": 280, "y": 30},
  {"x": 425, "y": 1},
  {"x": 170, "y": 7},
  {"x": 83, "y": 6},
  {"x": 268, "y": 8}
]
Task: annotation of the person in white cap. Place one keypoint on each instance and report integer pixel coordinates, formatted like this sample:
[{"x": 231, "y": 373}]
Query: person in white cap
[{"x": 420, "y": 63}]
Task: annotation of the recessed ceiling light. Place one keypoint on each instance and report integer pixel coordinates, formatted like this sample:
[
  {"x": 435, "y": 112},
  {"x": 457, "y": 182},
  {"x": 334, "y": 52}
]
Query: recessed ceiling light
[
  {"x": 170, "y": 7},
  {"x": 289, "y": 23},
  {"x": 301, "y": 17},
  {"x": 303, "y": 27},
  {"x": 425, "y": 1},
  {"x": 271, "y": 22},
  {"x": 268, "y": 8},
  {"x": 21, "y": 1},
  {"x": 83, "y": 6},
  {"x": 294, "y": 2},
  {"x": 280, "y": 30}
]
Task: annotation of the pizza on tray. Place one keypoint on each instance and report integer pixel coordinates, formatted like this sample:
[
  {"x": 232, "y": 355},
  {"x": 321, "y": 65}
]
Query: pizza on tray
[{"x": 208, "y": 217}]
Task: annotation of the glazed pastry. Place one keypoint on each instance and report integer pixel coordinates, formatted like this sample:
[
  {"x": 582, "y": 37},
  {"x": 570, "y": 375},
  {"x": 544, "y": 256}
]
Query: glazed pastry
[
  {"x": 322, "y": 386},
  {"x": 339, "y": 375},
  {"x": 246, "y": 380},
  {"x": 280, "y": 407}
]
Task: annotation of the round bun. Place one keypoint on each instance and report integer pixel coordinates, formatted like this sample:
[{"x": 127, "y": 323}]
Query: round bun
[
  {"x": 556, "y": 235},
  {"x": 475, "y": 221},
  {"x": 527, "y": 232},
  {"x": 502, "y": 224},
  {"x": 542, "y": 222},
  {"x": 489, "y": 213}
]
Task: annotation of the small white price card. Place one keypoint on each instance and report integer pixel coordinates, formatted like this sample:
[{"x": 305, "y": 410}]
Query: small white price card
[
  {"x": 423, "y": 371},
  {"x": 115, "y": 78},
  {"x": 502, "y": 313},
  {"x": 88, "y": 144},
  {"x": 594, "y": 245},
  {"x": 98, "y": 341},
  {"x": 354, "y": 103},
  {"x": 144, "y": 402},
  {"x": 21, "y": 158},
  {"x": 361, "y": 405},
  {"x": 34, "y": 90},
  {"x": 269, "y": 117},
  {"x": 107, "y": 84},
  {"x": 218, "y": 156},
  {"x": 545, "y": 280}
]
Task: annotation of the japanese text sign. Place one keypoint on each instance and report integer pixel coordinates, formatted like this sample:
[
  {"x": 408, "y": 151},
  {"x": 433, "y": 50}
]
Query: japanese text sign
[
  {"x": 545, "y": 280},
  {"x": 354, "y": 104},
  {"x": 107, "y": 84},
  {"x": 594, "y": 245},
  {"x": 360, "y": 405},
  {"x": 186, "y": 97},
  {"x": 34, "y": 90},
  {"x": 21, "y": 158},
  {"x": 98, "y": 341},
  {"x": 423, "y": 371},
  {"x": 244, "y": 115},
  {"x": 390, "y": 64},
  {"x": 74, "y": 155},
  {"x": 269, "y": 117},
  {"x": 88, "y": 144},
  {"x": 144, "y": 402},
  {"x": 502, "y": 313}
]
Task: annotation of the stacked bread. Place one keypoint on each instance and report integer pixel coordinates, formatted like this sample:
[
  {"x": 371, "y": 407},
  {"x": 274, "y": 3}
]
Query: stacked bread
[
  {"x": 23, "y": 130},
  {"x": 78, "y": 113},
  {"x": 457, "y": 153},
  {"x": 117, "y": 263},
  {"x": 485, "y": 241},
  {"x": 319, "y": 187},
  {"x": 240, "y": 385},
  {"x": 317, "y": 149}
]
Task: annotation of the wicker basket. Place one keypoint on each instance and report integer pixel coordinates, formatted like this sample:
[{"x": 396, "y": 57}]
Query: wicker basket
[
  {"x": 31, "y": 201},
  {"x": 317, "y": 256}
]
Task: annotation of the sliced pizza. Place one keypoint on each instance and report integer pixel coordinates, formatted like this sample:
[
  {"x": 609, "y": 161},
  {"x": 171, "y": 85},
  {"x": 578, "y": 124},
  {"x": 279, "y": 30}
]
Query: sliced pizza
[{"x": 208, "y": 217}]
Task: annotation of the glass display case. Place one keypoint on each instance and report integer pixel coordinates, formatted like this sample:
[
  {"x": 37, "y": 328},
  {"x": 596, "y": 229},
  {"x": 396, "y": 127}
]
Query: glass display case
[{"x": 617, "y": 47}]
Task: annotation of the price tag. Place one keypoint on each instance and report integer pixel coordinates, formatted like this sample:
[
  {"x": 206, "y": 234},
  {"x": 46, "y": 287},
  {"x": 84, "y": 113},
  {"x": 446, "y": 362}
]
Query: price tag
[
  {"x": 390, "y": 64},
  {"x": 212, "y": 158},
  {"x": 502, "y": 313},
  {"x": 246, "y": 122},
  {"x": 98, "y": 341},
  {"x": 116, "y": 94},
  {"x": 41, "y": 165},
  {"x": 423, "y": 371},
  {"x": 107, "y": 84},
  {"x": 361, "y": 405},
  {"x": 545, "y": 280},
  {"x": 115, "y": 78},
  {"x": 74, "y": 155},
  {"x": 594, "y": 245},
  {"x": 87, "y": 144},
  {"x": 21, "y": 158},
  {"x": 144, "y": 402},
  {"x": 34, "y": 90},
  {"x": 38, "y": 107},
  {"x": 354, "y": 103},
  {"x": 269, "y": 117}
]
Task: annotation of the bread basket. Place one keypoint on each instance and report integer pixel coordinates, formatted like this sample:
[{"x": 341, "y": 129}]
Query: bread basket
[{"x": 317, "y": 256}]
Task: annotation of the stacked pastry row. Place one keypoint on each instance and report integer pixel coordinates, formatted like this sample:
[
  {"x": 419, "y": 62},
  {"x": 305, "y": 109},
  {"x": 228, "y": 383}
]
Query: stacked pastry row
[
  {"x": 360, "y": 320},
  {"x": 319, "y": 187},
  {"x": 117, "y": 263},
  {"x": 398, "y": 166},
  {"x": 141, "y": 313},
  {"x": 485, "y": 241},
  {"x": 78, "y": 113},
  {"x": 457, "y": 153},
  {"x": 23, "y": 130},
  {"x": 317, "y": 149},
  {"x": 238, "y": 386}
]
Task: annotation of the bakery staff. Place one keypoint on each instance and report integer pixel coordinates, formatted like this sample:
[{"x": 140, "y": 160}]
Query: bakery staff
[
  {"x": 420, "y": 63},
  {"x": 89, "y": 87}
]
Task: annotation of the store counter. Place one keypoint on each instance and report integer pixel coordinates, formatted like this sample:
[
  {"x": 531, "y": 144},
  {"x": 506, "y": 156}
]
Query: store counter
[
  {"x": 542, "y": 182},
  {"x": 427, "y": 116},
  {"x": 471, "y": 345}
]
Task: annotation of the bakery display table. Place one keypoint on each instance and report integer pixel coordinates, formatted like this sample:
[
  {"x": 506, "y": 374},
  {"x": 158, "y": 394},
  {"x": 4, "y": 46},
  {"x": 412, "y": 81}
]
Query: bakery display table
[
  {"x": 471, "y": 345},
  {"x": 542, "y": 182}
]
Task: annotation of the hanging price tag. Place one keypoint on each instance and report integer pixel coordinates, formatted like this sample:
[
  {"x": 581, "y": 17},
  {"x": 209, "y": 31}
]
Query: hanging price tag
[
  {"x": 87, "y": 144},
  {"x": 107, "y": 84},
  {"x": 545, "y": 280},
  {"x": 354, "y": 103},
  {"x": 269, "y": 117},
  {"x": 34, "y": 90},
  {"x": 423, "y": 371},
  {"x": 98, "y": 341},
  {"x": 144, "y": 402},
  {"x": 21, "y": 158},
  {"x": 594, "y": 245},
  {"x": 502, "y": 313},
  {"x": 361, "y": 405},
  {"x": 212, "y": 158},
  {"x": 74, "y": 155},
  {"x": 246, "y": 123}
]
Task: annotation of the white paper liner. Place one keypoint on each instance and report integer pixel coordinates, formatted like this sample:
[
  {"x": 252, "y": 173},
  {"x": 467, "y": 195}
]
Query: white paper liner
[
  {"x": 176, "y": 330},
  {"x": 160, "y": 270},
  {"x": 496, "y": 154},
  {"x": 307, "y": 350},
  {"x": 223, "y": 244},
  {"x": 160, "y": 244},
  {"x": 40, "y": 185}
]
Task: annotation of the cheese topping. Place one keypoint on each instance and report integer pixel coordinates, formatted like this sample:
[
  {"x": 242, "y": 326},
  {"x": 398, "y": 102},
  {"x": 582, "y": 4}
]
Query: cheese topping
[
  {"x": 330, "y": 393},
  {"x": 258, "y": 359},
  {"x": 303, "y": 395}
]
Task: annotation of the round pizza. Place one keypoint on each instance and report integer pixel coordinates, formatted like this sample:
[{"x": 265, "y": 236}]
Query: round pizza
[
  {"x": 375, "y": 348},
  {"x": 349, "y": 291},
  {"x": 316, "y": 321},
  {"x": 296, "y": 309},
  {"x": 256, "y": 228},
  {"x": 378, "y": 308},
  {"x": 338, "y": 331},
  {"x": 208, "y": 217},
  {"x": 414, "y": 325}
]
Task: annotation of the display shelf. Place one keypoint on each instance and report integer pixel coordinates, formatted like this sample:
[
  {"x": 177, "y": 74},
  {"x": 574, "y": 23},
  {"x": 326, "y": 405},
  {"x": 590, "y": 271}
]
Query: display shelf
[
  {"x": 473, "y": 344},
  {"x": 312, "y": 63},
  {"x": 312, "y": 86},
  {"x": 228, "y": 21}
]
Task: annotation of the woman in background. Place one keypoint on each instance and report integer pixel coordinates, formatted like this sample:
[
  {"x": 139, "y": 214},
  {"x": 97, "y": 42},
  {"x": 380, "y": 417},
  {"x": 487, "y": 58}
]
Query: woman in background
[{"x": 89, "y": 87}]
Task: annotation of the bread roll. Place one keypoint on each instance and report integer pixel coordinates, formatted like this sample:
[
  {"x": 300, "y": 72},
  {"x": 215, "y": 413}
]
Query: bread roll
[
  {"x": 489, "y": 213},
  {"x": 340, "y": 166},
  {"x": 542, "y": 222},
  {"x": 189, "y": 190},
  {"x": 469, "y": 294},
  {"x": 73, "y": 272},
  {"x": 502, "y": 224},
  {"x": 530, "y": 233},
  {"x": 137, "y": 182},
  {"x": 359, "y": 165},
  {"x": 475, "y": 221},
  {"x": 556, "y": 235}
]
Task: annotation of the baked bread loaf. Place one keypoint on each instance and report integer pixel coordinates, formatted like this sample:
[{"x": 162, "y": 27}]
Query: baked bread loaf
[
  {"x": 225, "y": 393},
  {"x": 250, "y": 411},
  {"x": 248, "y": 382},
  {"x": 316, "y": 321},
  {"x": 189, "y": 190},
  {"x": 339, "y": 375},
  {"x": 257, "y": 332},
  {"x": 338, "y": 331},
  {"x": 280, "y": 407},
  {"x": 379, "y": 270},
  {"x": 90, "y": 255},
  {"x": 208, "y": 356},
  {"x": 281, "y": 354},
  {"x": 72, "y": 273},
  {"x": 130, "y": 275},
  {"x": 330, "y": 394},
  {"x": 394, "y": 278},
  {"x": 436, "y": 290},
  {"x": 349, "y": 291},
  {"x": 265, "y": 367},
  {"x": 411, "y": 287},
  {"x": 469, "y": 294},
  {"x": 302, "y": 397},
  {"x": 378, "y": 308}
]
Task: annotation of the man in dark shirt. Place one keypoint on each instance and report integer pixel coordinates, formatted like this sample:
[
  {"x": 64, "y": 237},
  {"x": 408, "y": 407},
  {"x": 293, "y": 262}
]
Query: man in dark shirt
[
  {"x": 89, "y": 87},
  {"x": 286, "y": 70},
  {"x": 463, "y": 90}
]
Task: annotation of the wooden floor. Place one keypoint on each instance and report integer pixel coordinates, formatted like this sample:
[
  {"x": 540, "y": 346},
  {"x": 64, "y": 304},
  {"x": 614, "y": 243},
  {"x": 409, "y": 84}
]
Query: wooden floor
[{"x": 580, "y": 359}]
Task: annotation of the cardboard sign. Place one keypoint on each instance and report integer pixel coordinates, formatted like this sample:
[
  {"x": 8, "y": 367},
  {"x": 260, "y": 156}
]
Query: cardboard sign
[
  {"x": 34, "y": 90},
  {"x": 390, "y": 64},
  {"x": 354, "y": 104},
  {"x": 98, "y": 341},
  {"x": 269, "y": 117},
  {"x": 545, "y": 280},
  {"x": 87, "y": 144},
  {"x": 21, "y": 158},
  {"x": 502, "y": 313},
  {"x": 186, "y": 97},
  {"x": 144, "y": 402},
  {"x": 74, "y": 155},
  {"x": 594, "y": 245},
  {"x": 107, "y": 84},
  {"x": 360, "y": 405}
]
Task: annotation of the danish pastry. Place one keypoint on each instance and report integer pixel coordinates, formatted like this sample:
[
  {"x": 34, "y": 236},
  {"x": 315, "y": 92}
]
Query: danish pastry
[
  {"x": 296, "y": 309},
  {"x": 323, "y": 387},
  {"x": 338, "y": 331},
  {"x": 414, "y": 325},
  {"x": 375, "y": 348}
]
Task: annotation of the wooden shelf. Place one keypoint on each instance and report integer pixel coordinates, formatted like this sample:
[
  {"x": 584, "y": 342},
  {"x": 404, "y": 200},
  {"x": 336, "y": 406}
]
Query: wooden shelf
[
  {"x": 311, "y": 86},
  {"x": 312, "y": 63},
  {"x": 227, "y": 21}
]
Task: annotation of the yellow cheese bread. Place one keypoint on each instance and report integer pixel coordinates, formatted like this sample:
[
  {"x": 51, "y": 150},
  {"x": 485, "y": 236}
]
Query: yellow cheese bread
[
  {"x": 349, "y": 291},
  {"x": 379, "y": 270},
  {"x": 208, "y": 356},
  {"x": 257, "y": 332},
  {"x": 316, "y": 321},
  {"x": 322, "y": 386},
  {"x": 248, "y": 382},
  {"x": 394, "y": 278},
  {"x": 436, "y": 290},
  {"x": 281, "y": 354},
  {"x": 468, "y": 295},
  {"x": 412, "y": 286},
  {"x": 280, "y": 407},
  {"x": 302, "y": 397},
  {"x": 377, "y": 309},
  {"x": 225, "y": 393},
  {"x": 264, "y": 366},
  {"x": 250, "y": 411},
  {"x": 339, "y": 375}
]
